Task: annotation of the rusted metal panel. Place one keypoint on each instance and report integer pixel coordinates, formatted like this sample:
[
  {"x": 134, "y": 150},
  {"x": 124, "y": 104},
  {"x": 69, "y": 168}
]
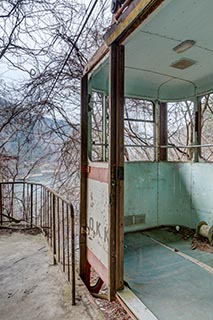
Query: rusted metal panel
[{"x": 98, "y": 266}]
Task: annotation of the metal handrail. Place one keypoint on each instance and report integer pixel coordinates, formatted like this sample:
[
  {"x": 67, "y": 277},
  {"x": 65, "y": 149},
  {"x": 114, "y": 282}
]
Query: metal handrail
[
  {"x": 168, "y": 146},
  {"x": 42, "y": 207}
]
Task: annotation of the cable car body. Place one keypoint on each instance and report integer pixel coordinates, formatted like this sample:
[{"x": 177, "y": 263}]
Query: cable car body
[{"x": 158, "y": 52}]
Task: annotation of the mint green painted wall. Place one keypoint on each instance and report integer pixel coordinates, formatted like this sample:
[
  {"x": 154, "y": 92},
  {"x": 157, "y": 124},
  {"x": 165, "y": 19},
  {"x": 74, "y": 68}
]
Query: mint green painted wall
[
  {"x": 140, "y": 192},
  {"x": 168, "y": 193},
  {"x": 202, "y": 192},
  {"x": 174, "y": 201}
]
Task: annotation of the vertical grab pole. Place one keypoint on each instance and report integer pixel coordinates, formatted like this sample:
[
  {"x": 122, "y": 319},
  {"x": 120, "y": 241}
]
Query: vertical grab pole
[
  {"x": 163, "y": 132},
  {"x": 197, "y": 128}
]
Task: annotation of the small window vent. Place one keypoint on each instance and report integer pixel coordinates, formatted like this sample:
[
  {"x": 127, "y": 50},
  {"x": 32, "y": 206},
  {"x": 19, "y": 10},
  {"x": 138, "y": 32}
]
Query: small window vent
[{"x": 134, "y": 219}]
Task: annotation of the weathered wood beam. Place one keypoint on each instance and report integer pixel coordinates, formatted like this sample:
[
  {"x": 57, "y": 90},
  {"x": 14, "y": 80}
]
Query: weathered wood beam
[
  {"x": 83, "y": 183},
  {"x": 96, "y": 58},
  {"x": 116, "y": 167},
  {"x": 137, "y": 12}
]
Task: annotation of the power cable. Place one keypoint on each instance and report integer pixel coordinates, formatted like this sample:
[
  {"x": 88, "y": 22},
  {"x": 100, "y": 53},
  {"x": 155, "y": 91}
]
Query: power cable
[
  {"x": 87, "y": 9},
  {"x": 71, "y": 50},
  {"x": 98, "y": 14}
]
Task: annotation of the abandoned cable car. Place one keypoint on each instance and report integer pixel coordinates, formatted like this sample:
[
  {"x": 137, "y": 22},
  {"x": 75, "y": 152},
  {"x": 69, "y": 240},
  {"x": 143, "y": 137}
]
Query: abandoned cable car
[{"x": 146, "y": 171}]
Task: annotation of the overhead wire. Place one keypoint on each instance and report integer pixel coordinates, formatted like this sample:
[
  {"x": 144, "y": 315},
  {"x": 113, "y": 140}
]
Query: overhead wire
[
  {"x": 87, "y": 9},
  {"x": 98, "y": 14},
  {"x": 73, "y": 46}
]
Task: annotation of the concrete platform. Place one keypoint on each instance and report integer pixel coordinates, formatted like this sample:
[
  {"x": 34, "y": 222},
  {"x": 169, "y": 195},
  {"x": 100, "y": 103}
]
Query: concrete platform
[
  {"x": 32, "y": 288},
  {"x": 170, "y": 285}
]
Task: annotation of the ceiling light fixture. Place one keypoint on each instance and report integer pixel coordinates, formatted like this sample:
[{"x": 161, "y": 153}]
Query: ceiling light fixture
[
  {"x": 183, "y": 64},
  {"x": 183, "y": 46}
]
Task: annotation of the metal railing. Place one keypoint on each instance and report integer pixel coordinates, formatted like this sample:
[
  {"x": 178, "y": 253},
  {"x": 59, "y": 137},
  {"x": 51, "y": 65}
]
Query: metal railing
[{"x": 41, "y": 207}]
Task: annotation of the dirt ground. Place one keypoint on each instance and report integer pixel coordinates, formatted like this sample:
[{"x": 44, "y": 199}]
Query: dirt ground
[{"x": 31, "y": 287}]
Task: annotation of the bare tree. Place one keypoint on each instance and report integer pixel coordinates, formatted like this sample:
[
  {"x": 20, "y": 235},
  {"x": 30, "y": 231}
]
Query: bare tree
[{"x": 40, "y": 118}]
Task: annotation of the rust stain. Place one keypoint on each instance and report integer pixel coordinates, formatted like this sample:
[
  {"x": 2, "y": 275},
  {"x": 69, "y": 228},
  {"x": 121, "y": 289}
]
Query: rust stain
[{"x": 135, "y": 14}]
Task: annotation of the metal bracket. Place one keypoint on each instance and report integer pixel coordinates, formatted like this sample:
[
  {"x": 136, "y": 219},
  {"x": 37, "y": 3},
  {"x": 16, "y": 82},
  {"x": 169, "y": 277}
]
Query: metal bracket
[
  {"x": 84, "y": 230},
  {"x": 120, "y": 173}
]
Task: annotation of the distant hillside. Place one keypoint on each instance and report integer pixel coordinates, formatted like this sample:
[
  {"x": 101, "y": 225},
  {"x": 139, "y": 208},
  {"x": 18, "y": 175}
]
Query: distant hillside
[
  {"x": 35, "y": 139},
  {"x": 3, "y": 102}
]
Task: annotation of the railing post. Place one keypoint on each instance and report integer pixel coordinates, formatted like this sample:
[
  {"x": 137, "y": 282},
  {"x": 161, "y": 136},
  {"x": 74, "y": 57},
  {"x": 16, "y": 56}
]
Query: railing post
[
  {"x": 27, "y": 202},
  {"x": 41, "y": 207},
  {"x": 23, "y": 202},
  {"x": 51, "y": 217},
  {"x": 63, "y": 235},
  {"x": 48, "y": 216},
  {"x": 31, "y": 205},
  {"x": 12, "y": 200},
  {"x": 68, "y": 244},
  {"x": 44, "y": 208},
  {"x": 1, "y": 203},
  {"x": 58, "y": 229},
  {"x": 73, "y": 252},
  {"x": 51, "y": 212},
  {"x": 53, "y": 229},
  {"x": 36, "y": 206}
]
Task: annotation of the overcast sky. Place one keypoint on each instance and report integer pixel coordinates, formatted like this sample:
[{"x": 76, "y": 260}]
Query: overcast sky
[{"x": 11, "y": 75}]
